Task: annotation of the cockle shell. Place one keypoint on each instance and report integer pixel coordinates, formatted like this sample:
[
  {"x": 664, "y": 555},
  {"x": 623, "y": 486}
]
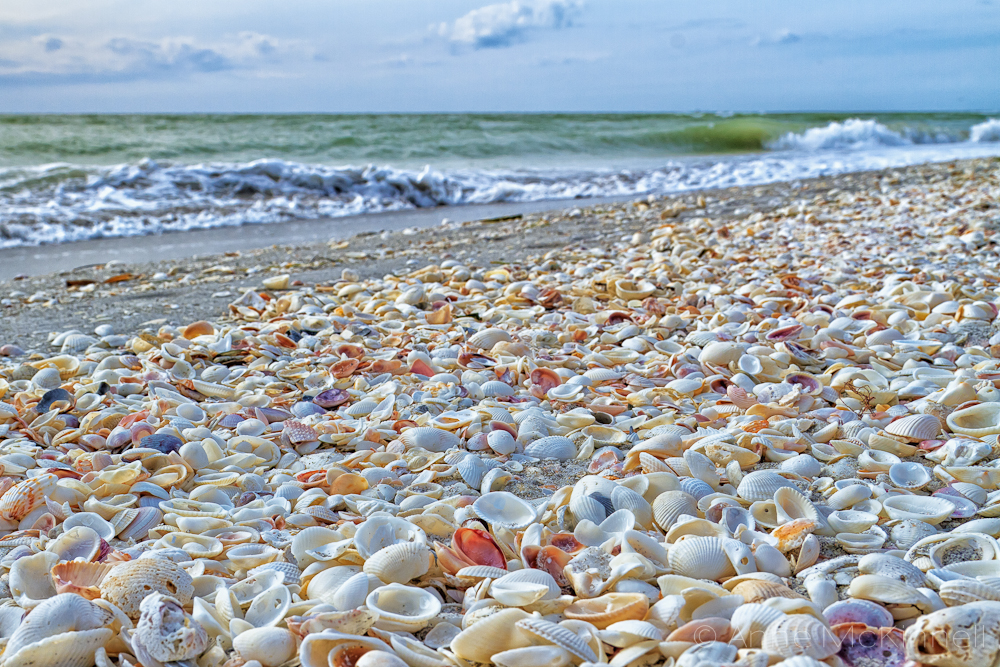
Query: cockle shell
[
  {"x": 399, "y": 563},
  {"x": 915, "y": 428},
  {"x": 429, "y": 438},
  {"x": 761, "y": 485},
  {"x": 670, "y": 505},
  {"x": 402, "y": 608},
  {"x": 63, "y": 630},
  {"x": 609, "y": 608},
  {"x": 799, "y": 635},
  {"x": 491, "y": 635}
]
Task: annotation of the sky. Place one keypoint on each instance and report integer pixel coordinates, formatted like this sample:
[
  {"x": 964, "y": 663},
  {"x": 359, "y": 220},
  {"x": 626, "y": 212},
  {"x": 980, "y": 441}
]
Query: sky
[{"x": 523, "y": 55}]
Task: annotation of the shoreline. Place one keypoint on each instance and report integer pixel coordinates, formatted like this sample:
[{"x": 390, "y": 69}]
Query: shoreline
[{"x": 170, "y": 290}]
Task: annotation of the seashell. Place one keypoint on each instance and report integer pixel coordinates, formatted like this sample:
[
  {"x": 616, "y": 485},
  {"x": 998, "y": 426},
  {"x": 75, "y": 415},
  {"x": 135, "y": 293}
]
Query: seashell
[
  {"x": 270, "y": 647},
  {"x": 979, "y": 420},
  {"x": 165, "y": 632},
  {"x": 429, "y": 438},
  {"x": 127, "y": 584},
  {"x": 329, "y": 647},
  {"x": 910, "y": 476},
  {"x": 532, "y": 656},
  {"x": 399, "y": 563},
  {"x": 22, "y": 498},
  {"x": 83, "y": 579},
  {"x": 491, "y": 635},
  {"x": 501, "y": 508},
  {"x": 761, "y": 485},
  {"x": 63, "y": 630},
  {"x": 933, "y": 639},
  {"x": 670, "y": 505},
  {"x": 552, "y": 447},
  {"x": 963, "y": 591},
  {"x": 930, "y": 509},
  {"x": 915, "y": 428},
  {"x": 402, "y": 608},
  {"x": 702, "y": 558},
  {"x": 485, "y": 339},
  {"x": 750, "y": 621},
  {"x": 609, "y": 608},
  {"x": 800, "y": 635},
  {"x": 524, "y": 587},
  {"x": 30, "y": 583}
]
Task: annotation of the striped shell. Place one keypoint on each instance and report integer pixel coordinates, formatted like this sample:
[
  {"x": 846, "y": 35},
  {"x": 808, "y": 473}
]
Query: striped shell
[
  {"x": 552, "y": 447},
  {"x": 485, "y": 339},
  {"x": 560, "y": 636},
  {"x": 800, "y": 635},
  {"x": 399, "y": 563},
  {"x": 761, "y": 485},
  {"x": 22, "y": 498},
  {"x": 669, "y": 505},
  {"x": 915, "y": 427},
  {"x": 701, "y": 558},
  {"x": 429, "y": 438}
]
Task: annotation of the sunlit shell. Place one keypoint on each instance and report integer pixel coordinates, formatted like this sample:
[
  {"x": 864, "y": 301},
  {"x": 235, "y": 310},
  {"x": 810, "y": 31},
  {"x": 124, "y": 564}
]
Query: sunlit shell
[
  {"x": 127, "y": 584},
  {"x": 800, "y": 635},
  {"x": 609, "y": 608}
]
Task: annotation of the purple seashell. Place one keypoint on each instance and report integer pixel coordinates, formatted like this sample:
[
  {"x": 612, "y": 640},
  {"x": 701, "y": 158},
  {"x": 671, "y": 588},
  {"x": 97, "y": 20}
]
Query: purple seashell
[
  {"x": 864, "y": 646},
  {"x": 859, "y": 611},
  {"x": 331, "y": 398},
  {"x": 10, "y": 351},
  {"x": 231, "y": 421},
  {"x": 161, "y": 442},
  {"x": 69, "y": 421}
]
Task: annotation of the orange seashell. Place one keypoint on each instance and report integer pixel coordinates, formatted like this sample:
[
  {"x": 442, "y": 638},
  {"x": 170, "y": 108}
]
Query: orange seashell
[
  {"x": 386, "y": 366},
  {"x": 758, "y": 590},
  {"x": 421, "y": 368},
  {"x": 613, "y": 410},
  {"x": 348, "y": 483},
  {"x": 554, "y": 560},
  {"x": 755, "y": 426},
  {"x": 311, "y": 479},
  {"x": 440, "y": 316},
  {"x": 345, "y": 368},
  {"x": 83, "y": 579},
  {"x": 22, "y": 498},
  {"x": 703, "y": 630},
  {"x": 199, "y": 328},
  {"x": 350, "y": 351},
  {"x": 791, "y": 535},
  {"x": 739, "y": 397},
  {"x": 546, "y": 378},
  {"x": 398, "y": 426},
  {"x": 478, "y": 547},
  {"x": 128, "y": 420}
]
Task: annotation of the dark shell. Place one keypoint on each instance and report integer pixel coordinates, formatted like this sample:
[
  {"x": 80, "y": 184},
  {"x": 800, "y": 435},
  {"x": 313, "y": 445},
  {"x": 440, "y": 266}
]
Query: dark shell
[
  {"x": 331, "y": 398},
  {"x": 609, "y": 507},
  {"x": 161, "y": 442},
  {"x": 52, "y": 396}
]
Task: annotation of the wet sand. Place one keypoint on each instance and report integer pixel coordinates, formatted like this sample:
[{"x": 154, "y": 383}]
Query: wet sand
[{"x": 190, "y": 276}]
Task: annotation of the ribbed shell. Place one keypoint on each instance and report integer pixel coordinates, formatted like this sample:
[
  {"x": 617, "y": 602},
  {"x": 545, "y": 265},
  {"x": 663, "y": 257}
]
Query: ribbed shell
[
  {"x": 522, "y": 587},
  {"x": 671, "y": 504},
  {"x": 915, "y": 427},
  {"x": 761, "y": 485},
  {"x": 399, "y": 563},
  {"x": 430, "y": 438},
  {"x": 964, "y": 591},
  {"x": 701, "y": 558},
  {"x": 749, "y": 622},
  {"x": 485, "y": 339},
  {"x": 800, "y": 634},
  {"x": 552, "y": 447},
  {"x": 560, "y": 636}
]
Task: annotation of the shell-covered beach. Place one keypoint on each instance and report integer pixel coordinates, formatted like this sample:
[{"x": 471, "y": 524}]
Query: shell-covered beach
[{"x": 752, "y": 427}]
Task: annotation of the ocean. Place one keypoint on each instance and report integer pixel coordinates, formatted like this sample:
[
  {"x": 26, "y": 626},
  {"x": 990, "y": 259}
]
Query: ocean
[{"x": 66, "y": 178}]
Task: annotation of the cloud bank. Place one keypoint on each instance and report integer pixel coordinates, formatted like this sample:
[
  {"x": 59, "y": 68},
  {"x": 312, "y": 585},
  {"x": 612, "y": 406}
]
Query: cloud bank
[{"x": 507, "y": 23}]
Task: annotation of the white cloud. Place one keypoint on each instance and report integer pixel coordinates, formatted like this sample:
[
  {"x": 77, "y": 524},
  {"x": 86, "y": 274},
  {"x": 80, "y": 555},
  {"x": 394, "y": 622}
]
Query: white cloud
[
  {"x": 506, "y": 23},
  {"x": 781, "y": 37},
  {"x": 49, "y": 56}
]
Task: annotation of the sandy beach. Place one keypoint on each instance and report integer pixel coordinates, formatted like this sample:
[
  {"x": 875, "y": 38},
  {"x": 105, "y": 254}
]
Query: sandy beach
[{"x": 187, "y": 283}]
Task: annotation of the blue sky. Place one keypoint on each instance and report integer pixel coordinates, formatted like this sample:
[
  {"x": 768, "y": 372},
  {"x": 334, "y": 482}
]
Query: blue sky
[{"x": 523, "y": 55}]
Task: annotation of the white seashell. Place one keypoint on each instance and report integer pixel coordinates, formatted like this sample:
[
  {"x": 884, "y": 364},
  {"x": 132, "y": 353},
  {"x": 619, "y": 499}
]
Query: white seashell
[
  {"x": 501, "y": 442},
  {"x": 701, "y": 557},
  {"x": 559, "y": 636},
  {"x": 485, "y": 339},
  {"x": 524, "y": 587},
  {"x": 552, "y": 447},
  {"x": 379, "y": 532},
  {"x": 269, "y": 608},
  {"x": 750, "y": 621},
  {"x": 915, "y": 427},
  {"x": 399, "y": 563},
  {"x": 978, "y": 421},
  {"x": 270, "y": 647},
  {"x": 532, "y": 656},
  {"x": 403, "y": 608},
  {"x": 931, "y": 509},
  {"x": 800, "y": 635},
  {"x": 803, "y": 464},
  {"x": 429, "y": 438},
  {"x": 909, "y": 476},
  {"x": 501, "y": 508},
  {"x": 670, "y": 505},
  {"x": 761, "y": 485}
]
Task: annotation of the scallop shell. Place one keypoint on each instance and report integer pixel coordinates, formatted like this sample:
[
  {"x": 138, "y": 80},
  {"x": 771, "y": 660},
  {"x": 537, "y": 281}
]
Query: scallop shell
[
  {"x": 19, "y": 500},
  {"x": 562, "y": 637},
  {"x": 66, "y": 617},
  {"x": 552, "y": 447},
  {"x": 750, "y": 621},
  {"x": 915, "y": 427},
  {"x": 429, "y": 438},
  {"x": 399, "y": 563},
  {"x": 800, "y": 635},
  {"x": 485, "y": 339},
  {"x": 524, "y": 587},
  {"x": 670, "y": 505},
  {"x": 964, "y": 591},
  {"x": 490, "y": 635},
  {"x": 83, "y": 579},
  {"x": 761, "y": 485},
  {"x": 702, "y": 558}
]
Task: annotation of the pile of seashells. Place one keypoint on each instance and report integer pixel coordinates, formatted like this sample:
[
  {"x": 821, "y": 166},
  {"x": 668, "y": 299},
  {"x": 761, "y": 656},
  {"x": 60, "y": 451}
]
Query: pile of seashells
[{"x": 746, "y": 445}]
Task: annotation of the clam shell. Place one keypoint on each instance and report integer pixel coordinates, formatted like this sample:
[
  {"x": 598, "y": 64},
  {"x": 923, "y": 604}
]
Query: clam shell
[
  {"x": 701, "y": 557},
  {"x": 524, "y": 587},
  {"x": 399, "y": 563},
  {"x": 670, "y": 505},
  {"x": 761, "y": 485},
  {"x": 403, "y": 608},
  {"x": 978, "y": 421},
  {"x": 931, "y": 509},
  {"x": 609, "y": 608},
  {"x": 501, "y": 508},
  {"x": 429, "y": 438},
  {"x": 552, "y": 447}
]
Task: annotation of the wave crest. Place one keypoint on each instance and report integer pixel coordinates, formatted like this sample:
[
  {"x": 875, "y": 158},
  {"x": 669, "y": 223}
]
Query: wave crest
[{"x": 987, "y": 131}]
